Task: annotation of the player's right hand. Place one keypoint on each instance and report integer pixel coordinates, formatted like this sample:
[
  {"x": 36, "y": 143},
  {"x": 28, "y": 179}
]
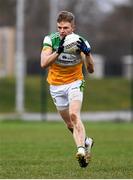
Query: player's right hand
[{"x": 61, "y": 47}]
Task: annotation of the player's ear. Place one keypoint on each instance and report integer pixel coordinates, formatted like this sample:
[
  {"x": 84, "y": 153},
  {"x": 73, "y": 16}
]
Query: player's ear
[{"x": 73, "y": 26}]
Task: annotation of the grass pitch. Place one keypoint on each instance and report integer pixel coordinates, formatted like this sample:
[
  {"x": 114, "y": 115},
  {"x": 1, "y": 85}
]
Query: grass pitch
[{"x": 42, "y": 150}]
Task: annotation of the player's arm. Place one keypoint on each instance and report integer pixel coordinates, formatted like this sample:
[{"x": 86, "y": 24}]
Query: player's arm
[
  {"x": 48, "y": 57},
  {"x": 90, "y": 63}
]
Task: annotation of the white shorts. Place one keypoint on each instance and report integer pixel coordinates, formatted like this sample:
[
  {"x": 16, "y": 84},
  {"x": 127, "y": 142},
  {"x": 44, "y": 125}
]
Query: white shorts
[{"x": 62, "y": 95}]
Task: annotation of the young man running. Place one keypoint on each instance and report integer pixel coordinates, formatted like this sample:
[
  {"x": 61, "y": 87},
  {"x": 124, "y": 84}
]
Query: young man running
[{"x": 66, "y": 80}]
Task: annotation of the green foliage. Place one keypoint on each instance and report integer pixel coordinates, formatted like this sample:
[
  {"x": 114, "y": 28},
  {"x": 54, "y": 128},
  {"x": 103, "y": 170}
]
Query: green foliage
[
  {"x": 7, "y": 95},
  {"x": 99, "y": 95},
  {"x": 107, "y": 94},
  {"x": 41, "y": 150}
]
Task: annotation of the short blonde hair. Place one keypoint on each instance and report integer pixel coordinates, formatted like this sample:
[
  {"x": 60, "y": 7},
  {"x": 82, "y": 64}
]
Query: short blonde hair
[{"x": 66, "y": 17}]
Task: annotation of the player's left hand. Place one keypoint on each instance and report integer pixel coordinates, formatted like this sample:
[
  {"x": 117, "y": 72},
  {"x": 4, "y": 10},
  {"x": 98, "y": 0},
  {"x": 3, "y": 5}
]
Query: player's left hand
[
  {"x": 83, "y": 47},
  {"x": 61, "y": 47}
]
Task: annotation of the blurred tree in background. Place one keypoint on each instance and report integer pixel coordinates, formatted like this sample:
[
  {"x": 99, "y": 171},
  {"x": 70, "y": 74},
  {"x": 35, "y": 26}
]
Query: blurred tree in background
[
  {"x": 116, "y": 38},
  {"x": 8, "y": 13}
]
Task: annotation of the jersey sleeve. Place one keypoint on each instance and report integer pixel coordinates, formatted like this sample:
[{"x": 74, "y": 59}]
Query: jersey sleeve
[{"x": 47, "y": 42}]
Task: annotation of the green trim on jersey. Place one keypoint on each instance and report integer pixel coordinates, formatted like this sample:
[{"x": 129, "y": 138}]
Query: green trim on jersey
[
  {"x": 55, "y": 40},
  {"x": 82, "y": 86}
]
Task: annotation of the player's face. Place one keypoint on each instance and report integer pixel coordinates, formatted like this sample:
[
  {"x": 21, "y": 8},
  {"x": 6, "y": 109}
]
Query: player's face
[{"x": 65, "y": 28}]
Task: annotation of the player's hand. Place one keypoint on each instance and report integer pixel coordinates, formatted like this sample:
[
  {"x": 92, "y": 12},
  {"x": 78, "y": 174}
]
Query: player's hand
[
  {"x": 83, "y": 47},
  {"x": 61, "y": 47}
]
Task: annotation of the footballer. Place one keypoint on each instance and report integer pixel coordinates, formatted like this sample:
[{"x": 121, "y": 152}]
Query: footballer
[{"x": 64, "y": 55}]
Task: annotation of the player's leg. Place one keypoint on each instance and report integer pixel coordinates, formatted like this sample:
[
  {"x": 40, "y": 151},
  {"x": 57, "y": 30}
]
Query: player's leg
[
  {"x": 78, "y": 131},
  {"x": 78, "y": 127},
  {"x": 88, "y": 143},
  {"x": 75, "y": 96},
  {"x": 66, "y": 117},
  {"x": 82, "y": 142},
  {"x": 88, "y": 146},
  {"x": 61, "y": 102}
]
